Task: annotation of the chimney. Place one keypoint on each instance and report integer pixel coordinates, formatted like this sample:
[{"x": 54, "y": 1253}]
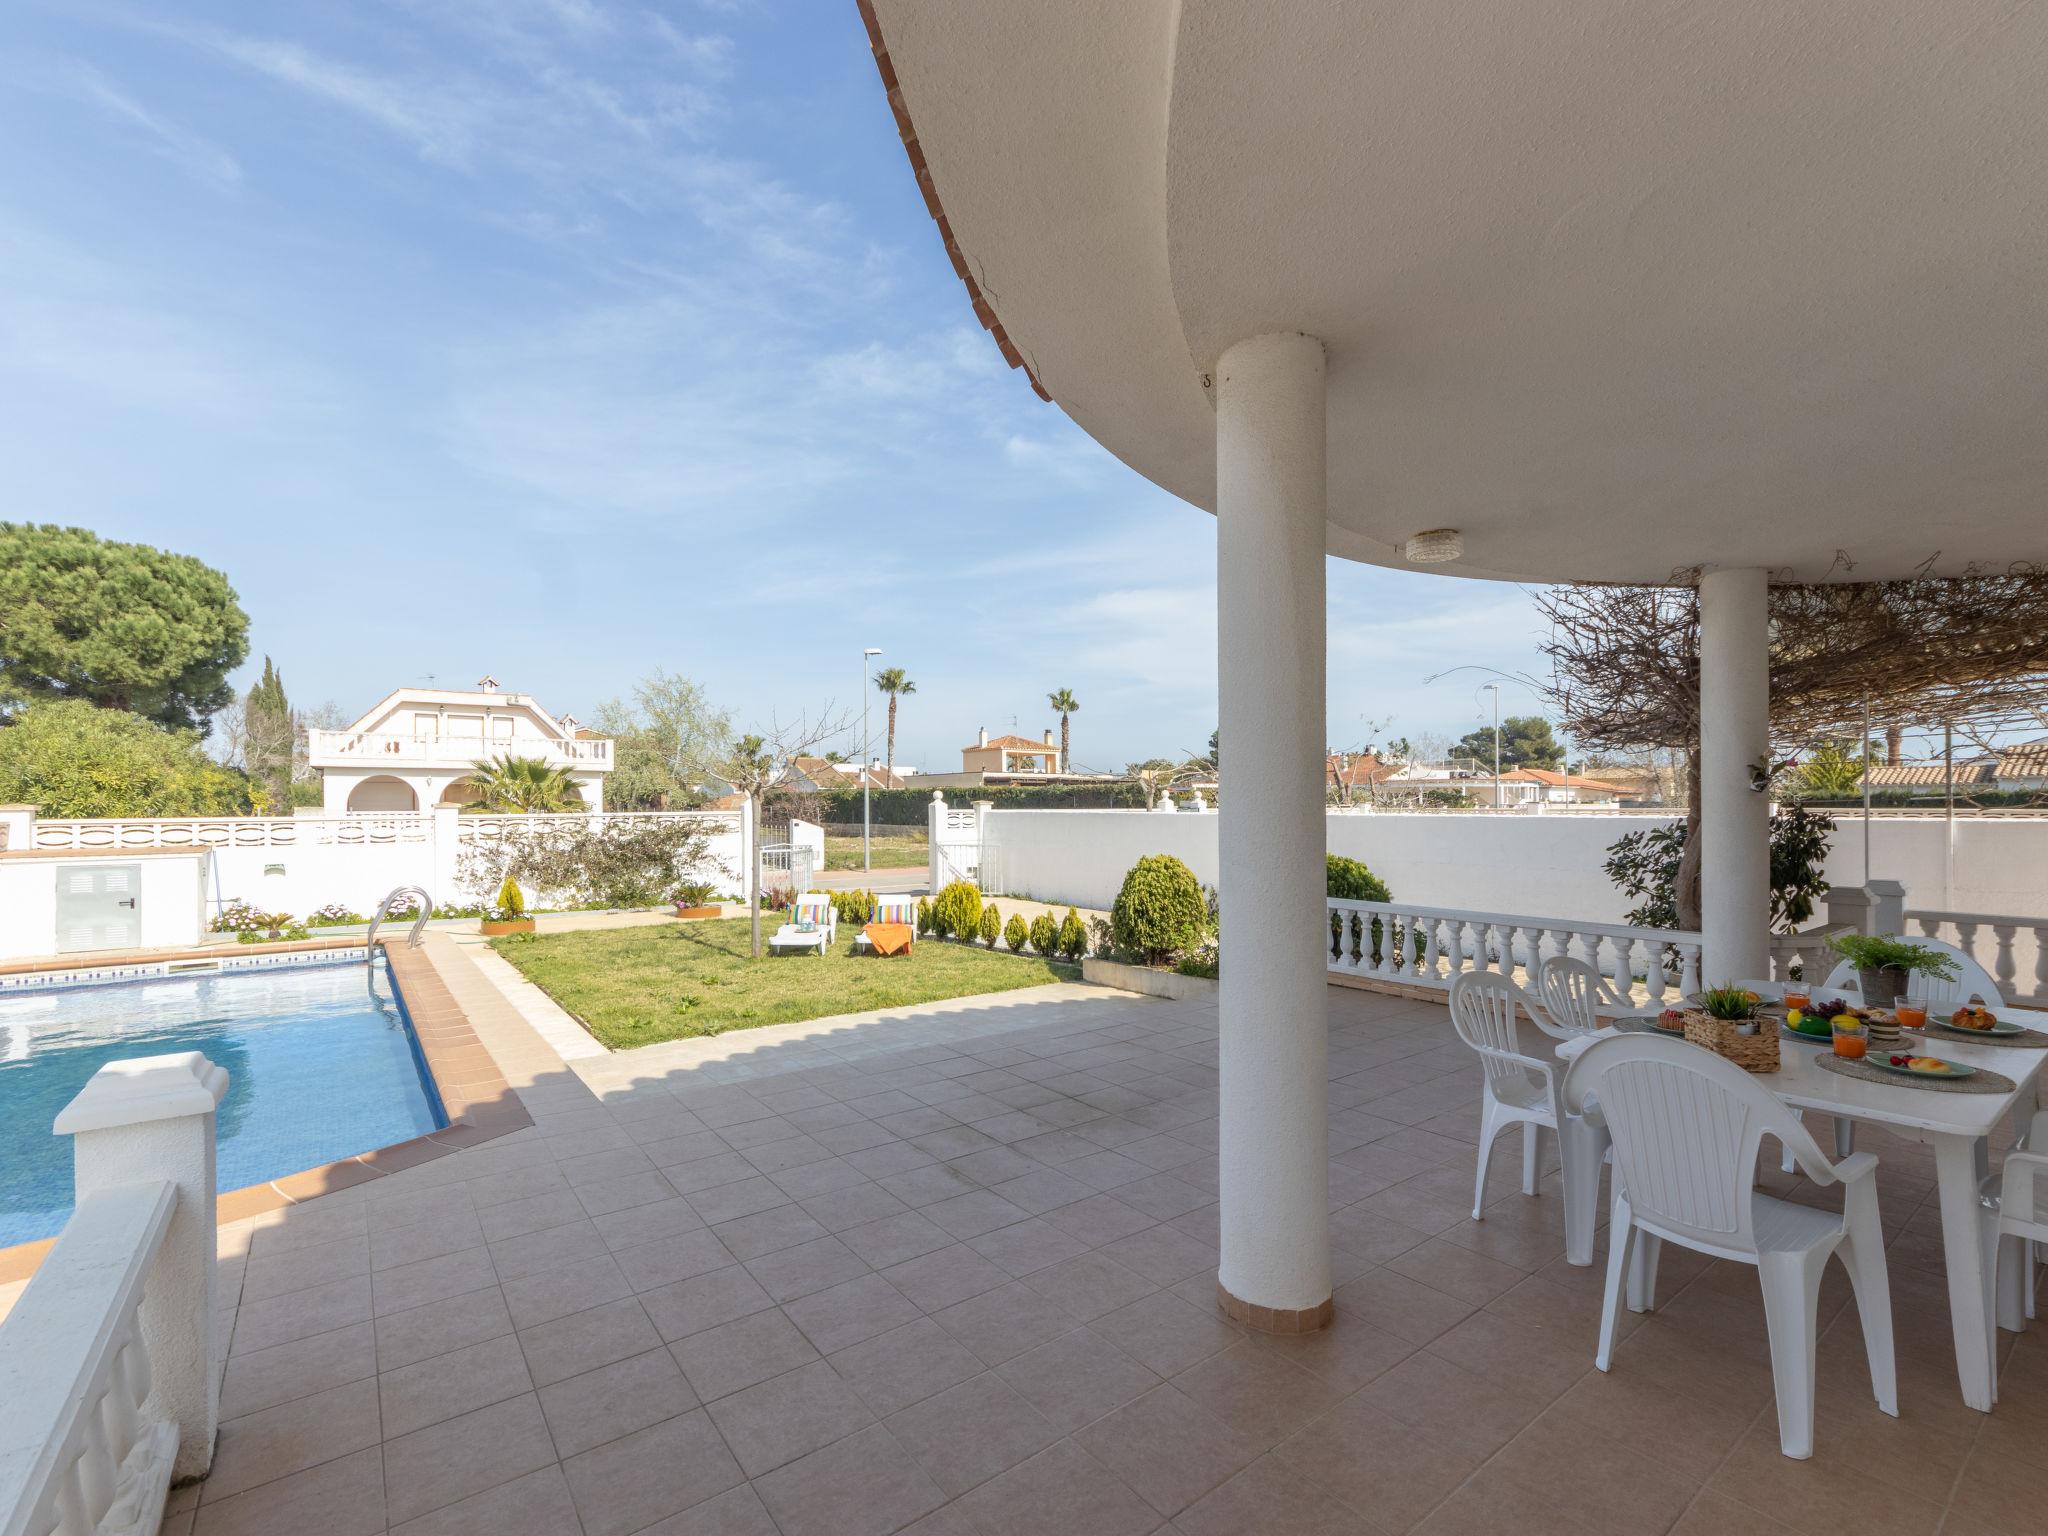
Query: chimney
[
  {"x": 984, "y": 736},
  {"x": 1048, "y": 736}
]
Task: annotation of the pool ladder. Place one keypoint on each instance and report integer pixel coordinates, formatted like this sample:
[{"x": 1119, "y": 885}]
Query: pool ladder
[{"x": 412, "y": 938}]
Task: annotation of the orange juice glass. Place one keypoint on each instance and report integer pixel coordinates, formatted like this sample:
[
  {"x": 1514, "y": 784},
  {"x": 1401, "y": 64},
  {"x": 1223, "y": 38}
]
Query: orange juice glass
[
  {"x": 1799, "y": 1000},
  {"x": 1911, "y": 1015},
  {"x": 1849, "y": 1042}
]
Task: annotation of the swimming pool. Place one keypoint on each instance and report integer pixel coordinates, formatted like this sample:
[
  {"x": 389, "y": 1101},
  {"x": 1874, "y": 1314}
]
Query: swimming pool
[{"x": 321, "y": 1063}]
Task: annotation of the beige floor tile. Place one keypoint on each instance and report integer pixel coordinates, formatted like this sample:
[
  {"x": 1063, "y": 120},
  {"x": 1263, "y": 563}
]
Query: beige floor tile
[
  {"x": 537, "y": 1504},
  {"x": 1406, "y": 1308},
  {"x": 1167, "y": 1448},
  {"x": 967, "y": 1434},
  {"x": 1616, "y": 1491},
  {"x": 736, "y": 1355},
  {"x": 905, "y": 1365},
  {"x": 739, "y": 1512},
  {"x": 342, "y": 1497},
  {"x": 789, "y": 1416},
  {"x": 423, "y": 1332},
  {"x": 855, "y": 1205},
  {"x": 586, "y": 1411},
  {"x": 1820, "y": 1495},
  {"x": 553, "y": 1247},
  {"x": 1025, "y": 1247},
  {"x": 1265, "y": 1497},
  {"x": 894, "y": 1239},
  {"x": 704, "y": 1301},
  {"x": 267, "y": 1377},
  {"x": 1076, "y": 1378},
  {"x": 298, "y": 1269},
  {"x": 414, "y": 1285},
  {"x": 447, "y": 1462},
  {"x": 1164, "y": 1333},
  {"x": 1003, "y": 1323},
  {"x": 1711, "y": 1514},
  {"x": 301, "y": 1314},
  {"x": 844, "y": 1314},
  {"x": 583, "y": 1341},
  {"x": 414, "y": 1396},
  {"x": 1100, "y": 1219},
  {"x": 536, "y": 1213},
  {"x": 945, "y": 1277},
  {"x": 769, "y": 1231},
  {"x": 1088, "y": 1286},
  {"x": 1062, "y": 1491},
  {"x": 1260, "y": 1394},
  {"x": 645, "y": 1477},
  {"x": 276, "y": 1442},
  {"x": 806, "y": 1268},
  {"x": 865, "y": 1485},
  {"x": 1373, "y": 1464},
  {"x": 558, "y": 1292}
]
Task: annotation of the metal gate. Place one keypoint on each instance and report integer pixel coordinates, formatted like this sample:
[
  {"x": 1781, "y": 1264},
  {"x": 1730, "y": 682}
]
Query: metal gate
[
  {"x": 97, "y": 906},
  {"x": 786, "y": 866},
  {"x": 958, "y": 852}
]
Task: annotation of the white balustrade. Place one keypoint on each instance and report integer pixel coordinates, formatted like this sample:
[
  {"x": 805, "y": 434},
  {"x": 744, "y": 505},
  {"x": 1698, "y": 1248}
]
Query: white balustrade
[
  {"x": 234, "y": 831},
  {"x": 1999, "y": 943},
  {"x": 387, "y": 747},
  {"x": 1431, "y": 946},
  {"x": 107, "y": 1382},
  {"x": 483, "y": 828}
]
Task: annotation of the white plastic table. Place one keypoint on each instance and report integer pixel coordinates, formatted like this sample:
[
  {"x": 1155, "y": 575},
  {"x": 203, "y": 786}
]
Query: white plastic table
[{"x": 1957, "y": 1126}]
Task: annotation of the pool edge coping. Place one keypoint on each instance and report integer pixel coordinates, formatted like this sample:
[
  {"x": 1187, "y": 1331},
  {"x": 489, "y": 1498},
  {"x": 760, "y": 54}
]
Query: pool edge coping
[{"x": 480, "y": 1104}]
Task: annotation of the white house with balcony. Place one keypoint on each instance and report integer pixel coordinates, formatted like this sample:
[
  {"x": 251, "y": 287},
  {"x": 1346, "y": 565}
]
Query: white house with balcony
[{"x": 417, "y": 749}]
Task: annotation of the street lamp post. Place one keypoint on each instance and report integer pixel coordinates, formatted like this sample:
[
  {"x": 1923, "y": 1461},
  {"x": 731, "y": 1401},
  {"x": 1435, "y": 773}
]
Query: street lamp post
[
  {"x": 1496, "y": 743},
  {"x": 866, "y": 779}
]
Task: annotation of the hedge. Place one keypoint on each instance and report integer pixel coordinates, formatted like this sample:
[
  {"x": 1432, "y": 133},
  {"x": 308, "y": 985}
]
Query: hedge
[{"x": 912, "y": 807}]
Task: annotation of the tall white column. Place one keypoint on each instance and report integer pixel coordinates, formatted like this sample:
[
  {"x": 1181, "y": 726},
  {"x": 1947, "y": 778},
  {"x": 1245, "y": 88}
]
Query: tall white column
[
  {"x": 1271, "y": 507},
  {"x": 1735, "y": 732}
]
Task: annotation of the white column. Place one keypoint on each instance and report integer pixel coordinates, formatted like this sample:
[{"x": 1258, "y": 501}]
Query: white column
[
  {"x": 1735, "y": 733},
  {"x": 1271, "y": 508},
  {"x": 144, "y": 1120}
]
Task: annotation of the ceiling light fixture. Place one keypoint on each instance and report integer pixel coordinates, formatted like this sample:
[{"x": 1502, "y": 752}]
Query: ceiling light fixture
[{"x": 1435, "y": 546}]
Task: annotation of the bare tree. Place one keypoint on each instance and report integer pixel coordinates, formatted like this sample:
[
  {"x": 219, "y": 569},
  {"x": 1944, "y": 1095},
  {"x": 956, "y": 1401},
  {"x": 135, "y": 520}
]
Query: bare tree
[{"x": 755, "y": 763}]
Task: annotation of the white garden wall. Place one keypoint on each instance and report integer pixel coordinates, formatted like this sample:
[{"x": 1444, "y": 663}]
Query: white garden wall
[{"x": 1539, "y": 864}]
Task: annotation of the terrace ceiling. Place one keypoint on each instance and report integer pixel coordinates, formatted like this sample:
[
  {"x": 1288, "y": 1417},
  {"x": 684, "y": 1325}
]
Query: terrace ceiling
[{"x": 1614, "y": 288}]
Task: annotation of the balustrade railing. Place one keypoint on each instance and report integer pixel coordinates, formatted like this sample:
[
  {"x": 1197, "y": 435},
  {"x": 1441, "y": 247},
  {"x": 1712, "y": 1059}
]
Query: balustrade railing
[
  {"x": 492, "y": 828},
  {"x": 81, "y": 1452},
  {"x": 2013, "y": 949},
  {"x": 1431, "y": 946},
  {"x": 234, "y": 831},
  {"x": 385, "y": 745}
]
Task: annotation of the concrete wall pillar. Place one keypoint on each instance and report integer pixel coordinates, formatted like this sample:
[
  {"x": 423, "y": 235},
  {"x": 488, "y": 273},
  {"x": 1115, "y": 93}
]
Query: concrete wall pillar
[
  {"x": 1271, "y": 511},
  {"x": 144, "y": 1120},
  {"x": 1735, "y": 812}
]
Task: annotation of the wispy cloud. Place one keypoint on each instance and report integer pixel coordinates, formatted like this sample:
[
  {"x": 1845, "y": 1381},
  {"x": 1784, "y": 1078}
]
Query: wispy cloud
[{"x": 194, "y": 154}]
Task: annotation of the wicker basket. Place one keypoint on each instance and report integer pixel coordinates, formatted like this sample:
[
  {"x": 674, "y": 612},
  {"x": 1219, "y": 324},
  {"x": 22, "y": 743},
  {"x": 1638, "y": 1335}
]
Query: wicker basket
[{"x": 1752, "y": 1053}]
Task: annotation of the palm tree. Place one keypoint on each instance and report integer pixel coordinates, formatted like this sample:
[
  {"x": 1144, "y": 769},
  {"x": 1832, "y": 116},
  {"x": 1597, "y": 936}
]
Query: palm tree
[
  {"x": 895, "y": 682},
  {"x": 522, "y": 784},
  {"x": 1066, "y": 704}
]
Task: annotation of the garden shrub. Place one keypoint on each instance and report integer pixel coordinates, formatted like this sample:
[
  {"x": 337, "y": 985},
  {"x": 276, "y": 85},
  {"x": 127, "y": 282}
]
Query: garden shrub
[
  {"x": 1349, "y": 880},
  {"x": 956, "y": 911},
  {"x": 1016, "y": 934},
  {"x": 924, "y": 915},
  {"x": 1045, "y": 934},
  {"x": 1073, "y": 936},
  {"x": 1159, "y": 912},
  {"x": 511, "y": 904},
  {"x": 335, "y": 914},
  {"x": 991, "y": 925}
]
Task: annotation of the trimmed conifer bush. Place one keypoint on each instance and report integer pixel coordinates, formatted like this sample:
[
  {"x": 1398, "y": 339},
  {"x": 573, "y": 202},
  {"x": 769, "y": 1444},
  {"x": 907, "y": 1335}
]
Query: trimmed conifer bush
[
  {"x": 1045, "y": 934},
  {"x": 1073, "y": 936},
  {"x": 1159, "y": 913},
  {"x": 956, "y": 911},
  {"x": 991, "y": 925},
  {"x": 1016, "y": 934}
]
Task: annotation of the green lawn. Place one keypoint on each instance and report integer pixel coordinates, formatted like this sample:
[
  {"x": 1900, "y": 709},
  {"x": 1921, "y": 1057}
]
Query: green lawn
[
  {"x": 888, "y": 852},
  {"x": 637, "y": 986}
]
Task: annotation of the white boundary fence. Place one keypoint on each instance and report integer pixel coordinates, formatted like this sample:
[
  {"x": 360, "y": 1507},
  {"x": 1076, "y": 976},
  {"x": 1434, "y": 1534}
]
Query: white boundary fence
[{"x": 298, "y": 863}]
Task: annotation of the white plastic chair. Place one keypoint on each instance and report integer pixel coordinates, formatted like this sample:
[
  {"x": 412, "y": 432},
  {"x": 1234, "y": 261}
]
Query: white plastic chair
[
  {"x": 1971, "y": 978},
  {"x": 2021, "y": 1221},
  {"x": 1573, "y": 995},
  {"x": 1686, "y": 1126},
  {"x": 1522, "y": 1090}
]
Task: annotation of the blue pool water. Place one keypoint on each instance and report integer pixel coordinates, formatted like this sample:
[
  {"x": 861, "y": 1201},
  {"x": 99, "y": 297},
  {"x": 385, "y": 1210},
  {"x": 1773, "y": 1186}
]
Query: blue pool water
[{"x": 320, "y": 1065}]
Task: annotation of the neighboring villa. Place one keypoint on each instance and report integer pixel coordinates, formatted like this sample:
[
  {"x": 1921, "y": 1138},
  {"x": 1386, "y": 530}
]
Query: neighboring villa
[
  {"x": 1358, "y": 778},
  {"x": 415, "y": 749},
  {"x": 827, "y": 773},
  {"x": 1546, "y": 786},
  {"x": 1010, "y": 760}
]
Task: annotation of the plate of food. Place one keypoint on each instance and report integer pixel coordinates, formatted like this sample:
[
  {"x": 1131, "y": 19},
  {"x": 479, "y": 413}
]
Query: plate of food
[
  {"x": 1671, "y": 1021},
  {"x": 1799, "y": 1024},
  {"x": 1920, "y": 1066},
  {"x": 1975, "y": 1019}
]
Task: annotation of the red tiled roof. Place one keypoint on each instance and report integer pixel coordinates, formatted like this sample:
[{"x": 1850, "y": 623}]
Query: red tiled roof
[
  {"x": 1562, "y": 780},
  {"x": 1014, "y": 743}
]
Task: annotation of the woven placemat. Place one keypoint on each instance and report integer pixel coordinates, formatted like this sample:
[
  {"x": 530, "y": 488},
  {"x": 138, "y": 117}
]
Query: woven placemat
[
  {"x": 1983, "y": 1081},
  {"x": 2028, "y": 1039},
  {"x": 1644, "y": 1027}
]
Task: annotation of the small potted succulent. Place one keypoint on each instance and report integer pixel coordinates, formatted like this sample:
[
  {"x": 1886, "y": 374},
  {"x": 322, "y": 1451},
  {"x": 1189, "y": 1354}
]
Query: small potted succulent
[
  {"x": 695, "y": 899},
  {"x": 1883, "y": 965},
  {"x": 508, "y": 912}
]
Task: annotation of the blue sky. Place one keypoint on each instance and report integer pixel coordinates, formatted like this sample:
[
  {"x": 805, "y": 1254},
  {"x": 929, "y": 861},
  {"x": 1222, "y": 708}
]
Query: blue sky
[{"x": 565, "y": 339}]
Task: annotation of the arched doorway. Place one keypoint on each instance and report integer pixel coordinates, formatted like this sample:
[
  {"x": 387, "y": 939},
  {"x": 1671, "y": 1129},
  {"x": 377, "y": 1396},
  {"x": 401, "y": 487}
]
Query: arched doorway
[
  {"x": 459, "y": 795},
  {"x": 383, "y": 794}
]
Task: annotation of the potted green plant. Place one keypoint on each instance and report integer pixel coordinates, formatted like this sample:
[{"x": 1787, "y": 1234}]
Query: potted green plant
[
  {"x": 508, "y": 913},
  {"x": 694, "y": 899},
  {"x": 1883, "y": 964}
]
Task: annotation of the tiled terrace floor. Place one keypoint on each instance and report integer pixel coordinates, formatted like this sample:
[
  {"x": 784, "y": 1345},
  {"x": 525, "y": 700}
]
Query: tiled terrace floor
[{"x": 952, "y": 1272}]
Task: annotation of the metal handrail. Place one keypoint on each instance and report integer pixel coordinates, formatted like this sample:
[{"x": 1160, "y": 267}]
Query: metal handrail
[{"x": 412, "y": 938}]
